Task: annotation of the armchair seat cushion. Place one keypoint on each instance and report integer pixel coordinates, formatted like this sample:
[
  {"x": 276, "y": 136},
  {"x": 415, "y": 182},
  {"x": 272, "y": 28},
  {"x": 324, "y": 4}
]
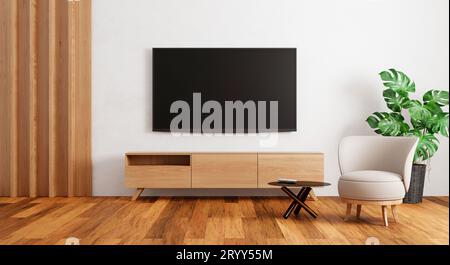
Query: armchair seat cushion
[
  {"x": 372, "y": 176},
  {"x": 371, "y": 185}
]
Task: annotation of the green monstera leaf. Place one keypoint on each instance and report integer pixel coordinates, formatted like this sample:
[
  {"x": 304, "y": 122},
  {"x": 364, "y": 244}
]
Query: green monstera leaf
[
  {"x": 433, "y": 107},
  {"x": 398, "y": 82},
  {"x": 419, "y": 114},
  {"x": 427, "y": 146},
  {"x": 394, "y": 101},
  {"x": 388, "y": 124},
  {"x": 436, "y": 96},
  {"x": 434, "y": 100},
  {"x": 439, "y": 124}
]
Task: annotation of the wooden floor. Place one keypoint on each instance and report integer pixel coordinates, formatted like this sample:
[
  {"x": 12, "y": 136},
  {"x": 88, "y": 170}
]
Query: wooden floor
[{"x": 240, "y": 220}]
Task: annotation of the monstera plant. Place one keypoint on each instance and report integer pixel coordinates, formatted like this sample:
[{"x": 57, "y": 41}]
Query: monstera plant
[{"x": 426, "y": 120}]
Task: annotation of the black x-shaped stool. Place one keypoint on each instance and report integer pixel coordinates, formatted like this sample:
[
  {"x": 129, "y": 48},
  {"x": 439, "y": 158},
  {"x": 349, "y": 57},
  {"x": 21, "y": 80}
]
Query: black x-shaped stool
[{"x": 299, "y": 200}]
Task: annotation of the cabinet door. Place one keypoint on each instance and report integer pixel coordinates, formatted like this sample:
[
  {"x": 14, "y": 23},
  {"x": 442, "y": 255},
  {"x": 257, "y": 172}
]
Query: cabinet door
[
  {"x": 224, "y": 170},
  {"x": 271, "y": 167},
  {"x": 148, "y": 176}
]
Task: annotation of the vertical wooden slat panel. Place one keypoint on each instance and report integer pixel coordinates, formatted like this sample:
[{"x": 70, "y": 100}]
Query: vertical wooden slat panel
[
  {"x": 79, "y": 168},
  {"x": 59, "y": 104},
  {"x": 25, "y": 83},
  {"x": 5, "y": 22},
  {"x": 44, "y": 83},
  {"x": 7, "y": 87},
  {"x": 14, "y": 95},
  {"x": 72, "y": 86},
  {"x": 33, "y": 108},
  {"x": 83, "y": 169},
  {"x": 52, "y": 106},
  {"x": 45, "y": 98}
]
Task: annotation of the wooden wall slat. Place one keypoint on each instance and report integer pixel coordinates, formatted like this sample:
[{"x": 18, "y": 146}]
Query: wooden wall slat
[
  {"x": 60, "y": 102},
  {"x": 33, "y": 100},
  {"x": 23, "y": 103},
  {"x": 4, "y": 97},
  {"x": 44, "y": 83},
  {"x": 13, "y": 97},
  {"x": 81, "y": 175},
  {"x": 6, "y": 80},
  {"x": 84, "y": 101},
  {"x": 73, "y": 11},
  {"x": 52, "y": 98}
]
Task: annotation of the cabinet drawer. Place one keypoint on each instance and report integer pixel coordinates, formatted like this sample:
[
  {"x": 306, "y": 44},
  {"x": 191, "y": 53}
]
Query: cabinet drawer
[
  {"x": 271, "y": 167},
  {"x": 224, "y": 171},
  {"x": 155, "y": 176}
]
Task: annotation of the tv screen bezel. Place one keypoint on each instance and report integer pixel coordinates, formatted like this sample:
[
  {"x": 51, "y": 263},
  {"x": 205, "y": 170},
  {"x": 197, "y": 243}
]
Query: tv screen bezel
[{"x": 216, "y": 48}]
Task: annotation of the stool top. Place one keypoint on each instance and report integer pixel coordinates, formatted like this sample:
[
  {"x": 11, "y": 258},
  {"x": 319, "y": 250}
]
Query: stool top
[{"x": 300, "y": 184}]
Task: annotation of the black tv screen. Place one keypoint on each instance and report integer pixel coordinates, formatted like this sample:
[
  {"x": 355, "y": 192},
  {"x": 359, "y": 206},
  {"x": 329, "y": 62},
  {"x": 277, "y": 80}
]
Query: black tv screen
[{"x": 202, "y": 80}]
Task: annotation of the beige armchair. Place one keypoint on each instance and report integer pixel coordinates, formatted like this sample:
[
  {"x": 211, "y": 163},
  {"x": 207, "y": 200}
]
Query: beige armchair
[{"x": 375, "y": 170}]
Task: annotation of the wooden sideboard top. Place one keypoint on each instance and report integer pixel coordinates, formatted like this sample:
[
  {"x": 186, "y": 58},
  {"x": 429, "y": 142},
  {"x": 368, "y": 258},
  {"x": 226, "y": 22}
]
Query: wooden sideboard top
[{"x": 215, "y": 152}]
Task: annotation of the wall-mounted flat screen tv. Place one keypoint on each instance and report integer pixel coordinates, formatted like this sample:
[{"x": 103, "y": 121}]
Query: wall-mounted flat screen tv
[{"x": 224, "y": 90}]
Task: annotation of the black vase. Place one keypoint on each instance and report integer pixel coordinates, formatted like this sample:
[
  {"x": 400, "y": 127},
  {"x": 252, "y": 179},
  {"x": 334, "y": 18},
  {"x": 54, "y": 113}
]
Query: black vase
[{"x": 415, "y": 192}]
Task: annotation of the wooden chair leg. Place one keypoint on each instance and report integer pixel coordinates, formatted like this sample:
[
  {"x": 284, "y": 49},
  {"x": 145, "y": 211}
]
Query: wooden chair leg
[
  {"x": 358, "y": 210},
  {"x": 385, "y": 216},
  {"x": 394, "y": 213},
  {"x": 348, "y": 212},
  {"x": 137, "y": 193}
]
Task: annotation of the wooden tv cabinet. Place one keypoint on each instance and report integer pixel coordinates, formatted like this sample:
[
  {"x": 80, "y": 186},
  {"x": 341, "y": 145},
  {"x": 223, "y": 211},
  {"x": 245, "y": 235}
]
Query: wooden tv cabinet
[{"x": 218, "y": 170}]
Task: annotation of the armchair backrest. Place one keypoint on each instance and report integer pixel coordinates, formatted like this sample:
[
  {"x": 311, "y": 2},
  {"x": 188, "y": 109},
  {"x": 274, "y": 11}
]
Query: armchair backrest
[{"x": 393, "y": 154}]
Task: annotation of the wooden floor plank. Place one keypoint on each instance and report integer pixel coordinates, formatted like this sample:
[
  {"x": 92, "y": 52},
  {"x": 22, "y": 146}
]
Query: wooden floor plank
[
  {"x": 253, "y": 230},
  {"x": 439, "y": 200},
  {"x": 199, "y": 220},
  {"x": 108, "y": 227},
  {"x": 234, "y": 221},
  {"x": 11, "y": 225},
  {"x": 43, "y": 226},
  {"x": 246, "y": 207},
  {"x": 215, "y": 233},
  {"x": 265, "y": 220},
  {"x": 161, "y": 225}
]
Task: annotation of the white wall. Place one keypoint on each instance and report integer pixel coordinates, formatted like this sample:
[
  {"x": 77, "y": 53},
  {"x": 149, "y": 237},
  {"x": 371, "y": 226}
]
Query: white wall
[{"x": 341, "y": 46}]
